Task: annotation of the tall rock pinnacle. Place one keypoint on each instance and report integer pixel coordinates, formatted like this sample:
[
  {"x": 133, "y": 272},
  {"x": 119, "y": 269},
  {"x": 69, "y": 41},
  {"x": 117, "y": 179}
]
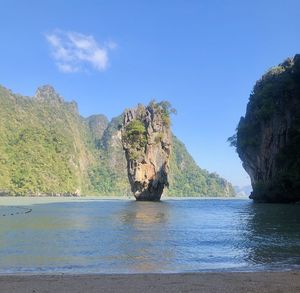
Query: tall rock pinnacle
[{"x": 146, "y": 139}]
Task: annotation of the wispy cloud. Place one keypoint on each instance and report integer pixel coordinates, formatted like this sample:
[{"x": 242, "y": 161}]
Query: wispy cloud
[{"x": 76, "y": 52}]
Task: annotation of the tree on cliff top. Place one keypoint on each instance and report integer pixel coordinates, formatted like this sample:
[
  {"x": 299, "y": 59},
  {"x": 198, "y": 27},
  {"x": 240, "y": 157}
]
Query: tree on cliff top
[{"x": 165, "y": 108}]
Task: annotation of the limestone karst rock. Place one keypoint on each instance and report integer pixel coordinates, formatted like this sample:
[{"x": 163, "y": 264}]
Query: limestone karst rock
[
  {"x": 146, "y": 139},
  {"x": 47, "y": 92},
  {"x": 48, "y": 148},
  {"x": 268, "y": 137}
]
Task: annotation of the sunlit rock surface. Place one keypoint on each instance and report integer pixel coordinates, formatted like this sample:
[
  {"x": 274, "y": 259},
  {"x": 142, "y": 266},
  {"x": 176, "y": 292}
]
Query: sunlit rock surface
[{"x": 146, "y": 139}]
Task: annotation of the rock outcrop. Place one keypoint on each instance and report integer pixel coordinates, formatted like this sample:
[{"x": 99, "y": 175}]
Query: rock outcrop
[
  {"x": 97, "y": 125},
  {"x": 47, "y": 93},
  {"x": 268, "y": 137},
  {"x": 146, "y": 139}
]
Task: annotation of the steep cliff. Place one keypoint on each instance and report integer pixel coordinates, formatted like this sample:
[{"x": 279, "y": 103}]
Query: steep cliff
[
  {"x": 146, "y": 138},
  {"x": 268, "y": 137}
]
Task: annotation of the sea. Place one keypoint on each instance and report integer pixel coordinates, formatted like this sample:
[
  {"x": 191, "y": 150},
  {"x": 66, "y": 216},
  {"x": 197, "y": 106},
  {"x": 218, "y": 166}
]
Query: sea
[{"x": 90, "y": 235}]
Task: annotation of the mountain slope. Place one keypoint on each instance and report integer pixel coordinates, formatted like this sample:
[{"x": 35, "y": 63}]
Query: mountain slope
[
  {"x": 46, "y": 147},
  {"x": 43, "y": 144},
  {"x": 187, "y": 179}
]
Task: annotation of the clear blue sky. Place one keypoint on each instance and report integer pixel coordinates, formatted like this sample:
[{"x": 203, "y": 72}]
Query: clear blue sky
[{"x": 202, "y": 56}]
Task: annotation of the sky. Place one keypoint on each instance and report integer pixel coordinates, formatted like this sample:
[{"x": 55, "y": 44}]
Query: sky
[{"x": 202, "y": 56}]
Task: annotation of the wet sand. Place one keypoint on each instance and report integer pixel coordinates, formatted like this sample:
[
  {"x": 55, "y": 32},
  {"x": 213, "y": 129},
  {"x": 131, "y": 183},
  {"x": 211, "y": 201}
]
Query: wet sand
[{"x": 194, "y": 282}]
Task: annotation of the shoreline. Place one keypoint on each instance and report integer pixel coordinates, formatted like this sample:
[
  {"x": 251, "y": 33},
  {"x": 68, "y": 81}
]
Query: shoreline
[
  {"x": 107, "y": 197},
  {"x": 31, "y": 200},
  {"x": 286, "y": 281}
]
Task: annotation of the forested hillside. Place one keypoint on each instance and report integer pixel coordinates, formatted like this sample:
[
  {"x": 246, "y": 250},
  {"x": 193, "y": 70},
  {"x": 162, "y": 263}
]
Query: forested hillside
[{"x": 47, "y": 148}]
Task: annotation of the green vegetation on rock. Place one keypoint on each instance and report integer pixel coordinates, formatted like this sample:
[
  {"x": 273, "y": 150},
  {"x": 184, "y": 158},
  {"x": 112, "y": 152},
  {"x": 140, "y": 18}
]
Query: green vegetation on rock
[
  {"x": 165, "y": 108},
  {"x": 42, "y": 146},
  {"x": 268, "y": 137},
  {"x": 135, "y": 136}
]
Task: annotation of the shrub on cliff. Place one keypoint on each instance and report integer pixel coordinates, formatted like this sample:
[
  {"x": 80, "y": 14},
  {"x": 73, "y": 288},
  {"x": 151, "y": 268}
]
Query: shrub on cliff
[
  {"x": 165, "y": 108},
  {"x": 135, "y": 134}
]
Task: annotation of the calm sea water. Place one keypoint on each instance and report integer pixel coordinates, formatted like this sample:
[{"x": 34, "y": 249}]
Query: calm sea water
[{"x": 118, "y": 236}]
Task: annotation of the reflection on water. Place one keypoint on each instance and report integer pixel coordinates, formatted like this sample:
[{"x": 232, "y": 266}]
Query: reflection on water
[
  {"x": 169, "y": 236},
  {"x": 273, "y": 235},
  {"x": 141, "y": 247},
  {"x": 144, "y": 213}
]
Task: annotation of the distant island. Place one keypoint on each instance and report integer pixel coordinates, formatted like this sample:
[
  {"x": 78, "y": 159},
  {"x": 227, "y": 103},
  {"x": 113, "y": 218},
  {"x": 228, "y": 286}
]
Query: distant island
[
  {"x": 243, "y": 191},
  {"x": 268, "y": 137},
  {"x": 48, "y": 149}
]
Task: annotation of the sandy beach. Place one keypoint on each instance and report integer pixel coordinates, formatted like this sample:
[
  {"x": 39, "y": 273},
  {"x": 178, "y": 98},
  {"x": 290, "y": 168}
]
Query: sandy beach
[{"x": 194, "y": 282}]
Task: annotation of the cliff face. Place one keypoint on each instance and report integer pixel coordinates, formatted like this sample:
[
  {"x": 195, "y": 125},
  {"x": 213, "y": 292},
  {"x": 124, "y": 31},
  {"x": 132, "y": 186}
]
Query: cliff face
[
  {"x": 146, "y": 139},
  {"x": 97, "y": 125},
  {"x": 268, "y": 137}
]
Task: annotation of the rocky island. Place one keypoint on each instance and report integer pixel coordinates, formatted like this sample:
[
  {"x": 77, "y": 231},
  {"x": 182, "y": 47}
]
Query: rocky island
[
  {"x": 268, "y": 137},
  {"x": 146, "y": 138}
]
